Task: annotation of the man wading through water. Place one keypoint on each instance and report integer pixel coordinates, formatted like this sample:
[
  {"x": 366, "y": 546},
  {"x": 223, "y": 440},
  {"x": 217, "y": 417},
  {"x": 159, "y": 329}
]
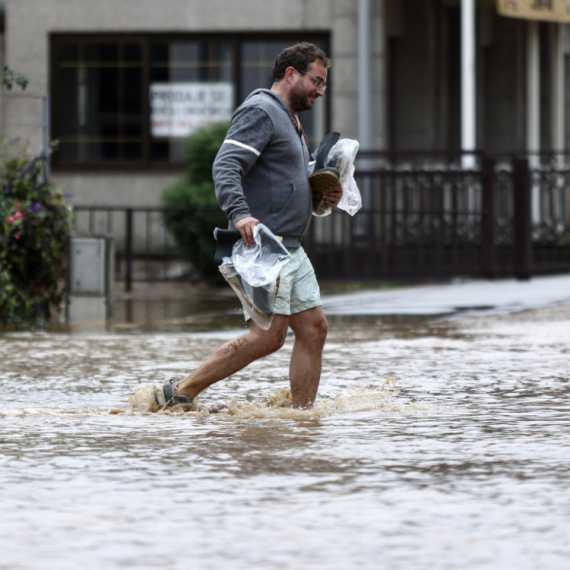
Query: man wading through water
[{"x": 260, "y": 175}]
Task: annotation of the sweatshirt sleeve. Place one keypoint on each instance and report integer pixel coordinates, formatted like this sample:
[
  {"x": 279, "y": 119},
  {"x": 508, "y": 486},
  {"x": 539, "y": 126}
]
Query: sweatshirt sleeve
[{"x": 250, "y": 131}]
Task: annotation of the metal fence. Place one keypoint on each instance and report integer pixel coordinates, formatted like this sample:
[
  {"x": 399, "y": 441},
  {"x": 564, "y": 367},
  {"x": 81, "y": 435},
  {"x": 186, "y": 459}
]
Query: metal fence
[
  {"x": 417, "y": 222},
  {"x": 425, "y": 215},
  {"x": 145, "y": 250}
]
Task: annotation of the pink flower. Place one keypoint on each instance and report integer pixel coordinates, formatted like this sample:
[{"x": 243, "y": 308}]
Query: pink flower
[
  {"x": 18, "y": 216},
  {"x": 17, "y": 236},
  {"x": 10, "y": 220}
]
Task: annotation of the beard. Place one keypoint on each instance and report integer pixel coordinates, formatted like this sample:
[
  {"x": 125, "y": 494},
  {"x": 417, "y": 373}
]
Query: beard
[{"x": 299, "y": 98}]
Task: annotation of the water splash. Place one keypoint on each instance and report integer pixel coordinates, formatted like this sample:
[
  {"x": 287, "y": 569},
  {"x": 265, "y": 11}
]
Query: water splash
[
  {"x": 143, "y": 400},
  {"x": 279, "y": 404}
]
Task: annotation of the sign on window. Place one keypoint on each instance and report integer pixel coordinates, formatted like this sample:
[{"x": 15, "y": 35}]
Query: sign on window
[
  {"x": 176, "y": 109},
  {"x": 547, "y": 10}
]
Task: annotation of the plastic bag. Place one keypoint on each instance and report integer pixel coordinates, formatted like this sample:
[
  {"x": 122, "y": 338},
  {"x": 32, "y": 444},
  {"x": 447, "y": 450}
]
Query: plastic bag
[
  {"x": 342, "y": 156},
  {"x": 344, "y": 152},
  {"x": 253, "y": 274}
]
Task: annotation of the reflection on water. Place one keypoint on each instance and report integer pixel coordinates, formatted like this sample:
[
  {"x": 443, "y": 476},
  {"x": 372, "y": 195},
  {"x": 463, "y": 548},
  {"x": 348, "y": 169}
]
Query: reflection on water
[{"x": 461, "y": 464}]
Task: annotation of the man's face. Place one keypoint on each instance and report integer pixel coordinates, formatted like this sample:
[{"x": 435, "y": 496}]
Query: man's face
[{"x": 303, "y": 93}]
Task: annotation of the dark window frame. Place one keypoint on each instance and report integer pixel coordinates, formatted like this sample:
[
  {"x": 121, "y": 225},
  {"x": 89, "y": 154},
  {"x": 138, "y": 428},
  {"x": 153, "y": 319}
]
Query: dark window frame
[{"x": 146, "y": 165}]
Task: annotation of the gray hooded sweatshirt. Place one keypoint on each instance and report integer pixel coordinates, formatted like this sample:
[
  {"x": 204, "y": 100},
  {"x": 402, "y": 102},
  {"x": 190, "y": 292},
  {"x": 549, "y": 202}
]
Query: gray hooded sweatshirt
[{"x": 261, "y": 168}]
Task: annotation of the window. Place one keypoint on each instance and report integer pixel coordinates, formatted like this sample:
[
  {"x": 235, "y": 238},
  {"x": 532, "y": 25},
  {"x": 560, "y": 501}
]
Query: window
[
  {"x": 129, "y": 101},
  {"x": 99, "y": 103}
]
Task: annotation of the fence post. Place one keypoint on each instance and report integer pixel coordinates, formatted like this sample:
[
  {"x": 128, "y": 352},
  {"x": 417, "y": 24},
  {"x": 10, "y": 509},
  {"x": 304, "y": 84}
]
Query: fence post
[
  {"x": 522, "y": 230},
  {"x": 128, "y": 249},
  {"x": 488, "y": 179}
]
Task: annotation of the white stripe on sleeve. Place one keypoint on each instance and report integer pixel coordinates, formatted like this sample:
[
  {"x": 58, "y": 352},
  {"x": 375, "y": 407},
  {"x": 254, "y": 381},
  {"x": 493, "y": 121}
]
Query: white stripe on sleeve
[{"x": 247, "y": 147}]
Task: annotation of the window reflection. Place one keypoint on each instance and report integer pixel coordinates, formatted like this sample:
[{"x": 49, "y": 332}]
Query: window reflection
[
  {"x": 99, "y": 102},
  {"x": 103, "y": 93},
  {"x": 186, "y": 80}
]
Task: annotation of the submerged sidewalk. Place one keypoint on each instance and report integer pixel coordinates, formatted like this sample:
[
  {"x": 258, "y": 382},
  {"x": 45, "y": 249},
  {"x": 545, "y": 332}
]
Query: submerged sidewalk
[
  {"x": 176, "y": 307},
  {"x": 464, "y": 299}
]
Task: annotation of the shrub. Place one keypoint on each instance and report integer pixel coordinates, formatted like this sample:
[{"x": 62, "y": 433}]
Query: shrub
[
  {"x": 35, "y": 223},
  {"x": 193, "y": 210}
]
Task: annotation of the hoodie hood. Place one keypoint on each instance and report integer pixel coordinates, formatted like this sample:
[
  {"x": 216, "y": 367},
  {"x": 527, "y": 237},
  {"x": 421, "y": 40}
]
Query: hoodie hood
[{"x": 271, "y": 94}]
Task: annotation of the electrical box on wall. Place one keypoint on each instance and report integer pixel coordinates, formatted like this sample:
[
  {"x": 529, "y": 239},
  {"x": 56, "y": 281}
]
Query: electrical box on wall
[
  {"x": 88, "y": 266},
  {"x": 90, "y": 278}
]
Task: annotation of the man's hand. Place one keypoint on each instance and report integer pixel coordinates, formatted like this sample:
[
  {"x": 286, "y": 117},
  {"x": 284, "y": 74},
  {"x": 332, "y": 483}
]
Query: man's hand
[
  {"x": 245, "y": 228},
  {"x": 332, "y": 197}
]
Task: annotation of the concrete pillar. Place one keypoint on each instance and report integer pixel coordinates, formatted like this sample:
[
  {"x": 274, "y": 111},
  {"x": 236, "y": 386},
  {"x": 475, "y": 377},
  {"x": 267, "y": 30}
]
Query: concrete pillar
[
  {"x": 533, "y": 108},
  {"x": 468, "y": 82},
  {"x": 380, "y": 89},
  {"x": 365, "y": 108},
  {"x": 532, "y": 87},
  {"x": 365, "y": 111},
  {"x": 558, "y": 91}
]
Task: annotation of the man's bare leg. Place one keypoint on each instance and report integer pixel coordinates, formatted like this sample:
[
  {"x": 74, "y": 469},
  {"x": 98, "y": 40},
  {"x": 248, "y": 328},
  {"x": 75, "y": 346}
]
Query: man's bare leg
[
  {"x": 235, "y": 355},
  {"x": 310, "y": 328}
]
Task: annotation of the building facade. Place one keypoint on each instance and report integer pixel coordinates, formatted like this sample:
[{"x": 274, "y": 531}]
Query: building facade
[
  {"x": 127, "y": 79},
  {"x": 107, "y": 66}
]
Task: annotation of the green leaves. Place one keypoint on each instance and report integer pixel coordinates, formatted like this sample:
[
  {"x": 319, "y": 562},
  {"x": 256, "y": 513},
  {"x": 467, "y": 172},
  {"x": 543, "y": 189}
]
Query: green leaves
[
  {"x": 193, "y": 211},
  {"x": 35, "y": 223}
]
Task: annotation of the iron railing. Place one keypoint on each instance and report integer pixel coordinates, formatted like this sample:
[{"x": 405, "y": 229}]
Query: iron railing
[
  {"x": 425, "y": 215},
  {"x": 144, "y": 248}
]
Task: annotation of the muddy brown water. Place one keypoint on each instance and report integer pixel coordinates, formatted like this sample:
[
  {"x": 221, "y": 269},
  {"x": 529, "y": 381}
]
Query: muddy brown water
[{"x": 462, "y": 463}]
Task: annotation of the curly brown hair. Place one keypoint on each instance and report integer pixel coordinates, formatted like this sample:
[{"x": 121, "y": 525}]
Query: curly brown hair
[{"x": 299, "y": 56}]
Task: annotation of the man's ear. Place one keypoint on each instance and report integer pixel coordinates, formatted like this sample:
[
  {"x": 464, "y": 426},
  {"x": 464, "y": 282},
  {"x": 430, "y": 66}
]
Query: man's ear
[{"x": 289, "y": 73}]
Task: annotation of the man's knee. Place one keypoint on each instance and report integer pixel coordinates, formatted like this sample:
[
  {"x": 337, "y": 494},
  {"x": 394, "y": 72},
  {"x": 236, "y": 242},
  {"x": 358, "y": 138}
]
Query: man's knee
[
  {"x": 276, "y": 339},
  {"x": 321, "y": 329},
  {"x": 313, "y": 331},
  {"x": 272, "y": 340}
]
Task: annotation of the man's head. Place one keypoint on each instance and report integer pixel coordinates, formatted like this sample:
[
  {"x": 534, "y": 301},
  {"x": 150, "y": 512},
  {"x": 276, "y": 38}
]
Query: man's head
[
  {"x": 300, "y": 75},
  {"x": 300, "y": 56}
]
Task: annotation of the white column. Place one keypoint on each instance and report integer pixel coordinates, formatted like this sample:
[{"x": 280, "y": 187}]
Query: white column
[{"x": 468, "y": 82}]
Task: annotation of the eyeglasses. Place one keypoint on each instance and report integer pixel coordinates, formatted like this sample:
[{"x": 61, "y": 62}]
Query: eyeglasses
[{"x": 319, "y": 83}]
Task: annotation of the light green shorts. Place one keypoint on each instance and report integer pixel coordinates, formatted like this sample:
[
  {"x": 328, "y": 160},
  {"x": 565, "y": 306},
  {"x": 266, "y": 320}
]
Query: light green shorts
[{"x": 298, "y": 287}]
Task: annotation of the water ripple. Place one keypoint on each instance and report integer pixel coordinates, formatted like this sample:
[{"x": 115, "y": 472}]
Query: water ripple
[{"x": 462, "y": 463}]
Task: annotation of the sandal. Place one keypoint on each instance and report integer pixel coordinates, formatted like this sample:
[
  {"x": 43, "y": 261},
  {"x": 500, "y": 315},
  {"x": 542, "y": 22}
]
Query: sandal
[{"x": 166, "y": 396}]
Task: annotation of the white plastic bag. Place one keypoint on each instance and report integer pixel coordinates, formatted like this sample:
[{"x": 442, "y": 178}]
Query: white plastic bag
[
  {"x": 342, "y": 156},
  {"x": 253, "y": 274},
  {"x": 261, "y": 263},
  {"x": 343, "y": 153}
]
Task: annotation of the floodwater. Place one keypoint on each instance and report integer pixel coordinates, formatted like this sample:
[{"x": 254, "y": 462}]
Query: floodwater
[{"x": 460, "y": 462}]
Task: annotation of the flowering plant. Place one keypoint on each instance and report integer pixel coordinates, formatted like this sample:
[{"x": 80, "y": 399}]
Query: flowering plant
[{"x": 35, "y": 223}]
